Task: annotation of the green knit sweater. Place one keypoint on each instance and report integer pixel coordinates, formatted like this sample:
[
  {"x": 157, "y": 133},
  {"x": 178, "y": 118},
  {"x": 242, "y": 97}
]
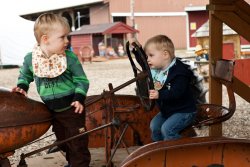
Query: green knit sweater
[{"x": 59, "y": 92}]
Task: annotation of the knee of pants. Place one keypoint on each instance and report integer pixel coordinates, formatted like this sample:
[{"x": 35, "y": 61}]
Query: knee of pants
[
  {"x": 166, "y": 130},
  {"x": 156, "y": 135},
  {"x": 155, "y": 130},
  {"x": 169, "y": 133},
  {"x": 153, "y": 127}
]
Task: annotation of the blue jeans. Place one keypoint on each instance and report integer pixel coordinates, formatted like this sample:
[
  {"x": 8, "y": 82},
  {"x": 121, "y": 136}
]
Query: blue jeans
[{"x": 169, "y": 128}]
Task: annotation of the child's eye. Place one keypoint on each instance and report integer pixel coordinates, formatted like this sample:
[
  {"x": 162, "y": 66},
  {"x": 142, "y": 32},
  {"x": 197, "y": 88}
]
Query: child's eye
[{"x": 63, "y": 37}]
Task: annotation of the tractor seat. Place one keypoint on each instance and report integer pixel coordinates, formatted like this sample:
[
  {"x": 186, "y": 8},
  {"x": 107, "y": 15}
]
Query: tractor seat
[{"x": 209, "y": 114}]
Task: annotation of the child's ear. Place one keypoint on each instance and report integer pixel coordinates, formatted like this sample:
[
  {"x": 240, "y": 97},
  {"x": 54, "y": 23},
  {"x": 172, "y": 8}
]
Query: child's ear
[
  {"x": 44, "y": 39},
  {"x": 166, "y": 53}
]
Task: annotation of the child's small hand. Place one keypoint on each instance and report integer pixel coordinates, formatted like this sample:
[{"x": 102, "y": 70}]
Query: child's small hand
[
  {"x": 19, "y": 90},
  {"x": 79, "y": 107},
  {"x": 153, "y": 94}
]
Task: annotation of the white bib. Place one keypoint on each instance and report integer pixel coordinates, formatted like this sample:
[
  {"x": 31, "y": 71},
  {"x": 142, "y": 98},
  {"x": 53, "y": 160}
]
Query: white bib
[{"x": 48, "y": 67}]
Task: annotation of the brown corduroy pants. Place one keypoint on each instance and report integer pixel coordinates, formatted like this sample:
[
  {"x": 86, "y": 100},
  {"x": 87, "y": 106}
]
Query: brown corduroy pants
[{"x": 65, "y": 125}]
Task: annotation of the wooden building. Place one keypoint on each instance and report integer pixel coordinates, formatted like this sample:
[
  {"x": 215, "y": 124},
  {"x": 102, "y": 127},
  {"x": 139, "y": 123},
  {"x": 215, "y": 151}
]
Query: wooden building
[
  {"x": 197, "y": 16},
  {"x": 176, "y": 19},
  {"x": 150, "y": 18},
  {"x": 231, "y": 40},
  {"x": 112, "y": 34}
]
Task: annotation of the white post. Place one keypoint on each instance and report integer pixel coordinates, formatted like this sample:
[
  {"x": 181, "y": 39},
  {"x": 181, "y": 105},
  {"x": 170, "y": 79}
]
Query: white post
[
  {"x": 0, "y": 56},
  {"x": 1, "y": 63},
  {"x": 132, "y": 3},
  {"x": 73, "y": 20},
  {"x": 79, "y": 19}
]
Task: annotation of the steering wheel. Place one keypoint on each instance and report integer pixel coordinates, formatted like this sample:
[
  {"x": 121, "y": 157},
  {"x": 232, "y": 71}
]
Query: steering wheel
[{"x": 145, "y": 84}]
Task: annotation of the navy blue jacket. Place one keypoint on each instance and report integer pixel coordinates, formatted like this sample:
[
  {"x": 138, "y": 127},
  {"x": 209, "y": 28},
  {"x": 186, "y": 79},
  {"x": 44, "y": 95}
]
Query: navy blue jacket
[{"x": 176, "y": 95}]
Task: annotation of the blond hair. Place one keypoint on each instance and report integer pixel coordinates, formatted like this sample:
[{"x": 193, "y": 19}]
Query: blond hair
[
  {"x": 45, "y": 23},
  {"x": 162, "y": 42}
]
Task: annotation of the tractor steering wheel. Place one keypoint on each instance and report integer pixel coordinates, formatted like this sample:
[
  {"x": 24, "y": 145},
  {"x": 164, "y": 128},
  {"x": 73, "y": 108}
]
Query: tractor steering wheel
[{"x": 142, "y": 85}]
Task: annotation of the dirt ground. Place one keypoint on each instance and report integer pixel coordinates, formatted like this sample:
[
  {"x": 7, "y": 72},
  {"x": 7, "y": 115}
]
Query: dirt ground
[{"x": 117, "y": 72}]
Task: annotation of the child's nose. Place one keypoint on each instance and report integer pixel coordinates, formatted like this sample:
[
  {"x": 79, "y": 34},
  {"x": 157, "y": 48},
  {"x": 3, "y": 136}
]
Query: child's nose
[{"x": 66, "y": 40}]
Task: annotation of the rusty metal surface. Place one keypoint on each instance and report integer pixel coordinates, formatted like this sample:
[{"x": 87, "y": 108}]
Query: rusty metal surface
[
  {"x": 209, "y": 114},
  {"x": 128, "y": 109},
  {"x": 201, "y": 151},
  {"x": 22, "y": 120}
]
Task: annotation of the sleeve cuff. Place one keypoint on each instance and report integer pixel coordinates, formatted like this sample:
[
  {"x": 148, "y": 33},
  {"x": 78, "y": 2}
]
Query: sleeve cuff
[
  {"x": 79, "y": 97},
  {"x": 23, "y": 86}
]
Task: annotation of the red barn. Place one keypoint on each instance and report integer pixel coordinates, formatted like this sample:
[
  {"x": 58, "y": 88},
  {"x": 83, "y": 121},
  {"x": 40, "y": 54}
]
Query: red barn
[{"x": 90, "y": 35}]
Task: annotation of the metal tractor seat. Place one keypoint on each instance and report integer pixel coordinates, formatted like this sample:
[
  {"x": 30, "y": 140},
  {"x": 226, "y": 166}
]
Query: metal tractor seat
[{"x": 209, "y": 114}]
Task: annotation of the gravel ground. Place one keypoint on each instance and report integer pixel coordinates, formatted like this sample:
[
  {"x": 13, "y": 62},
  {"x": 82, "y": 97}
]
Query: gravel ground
[{"x": 118, "y": 72}]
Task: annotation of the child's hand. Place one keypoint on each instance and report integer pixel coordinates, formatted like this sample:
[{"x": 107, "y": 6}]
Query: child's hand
[
  {"x": 153, "y": 94},
  {"x": 19, "y": 90},
  {"x": 79, "y": 107}
]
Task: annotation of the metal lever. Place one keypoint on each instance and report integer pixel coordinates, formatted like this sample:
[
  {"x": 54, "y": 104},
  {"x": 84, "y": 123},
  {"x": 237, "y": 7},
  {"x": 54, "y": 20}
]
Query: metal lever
[{"x": 22, "y": 163}]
